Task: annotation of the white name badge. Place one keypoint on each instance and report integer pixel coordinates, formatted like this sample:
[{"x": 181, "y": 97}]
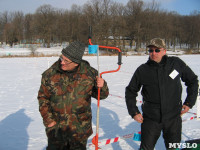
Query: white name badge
[{"x": 174, "y": 74}]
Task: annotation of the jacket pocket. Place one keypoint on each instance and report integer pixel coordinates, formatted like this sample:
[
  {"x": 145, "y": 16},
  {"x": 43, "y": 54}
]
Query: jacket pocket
[{"x": 84, "y": 119}]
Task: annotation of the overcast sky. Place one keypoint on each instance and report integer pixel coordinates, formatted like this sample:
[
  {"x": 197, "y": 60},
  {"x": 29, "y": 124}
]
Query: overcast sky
[{"x": 183, "y": 7}]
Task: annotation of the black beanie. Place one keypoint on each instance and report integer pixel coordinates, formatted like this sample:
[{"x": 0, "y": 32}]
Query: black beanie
[{"x": 74, "y": 51}]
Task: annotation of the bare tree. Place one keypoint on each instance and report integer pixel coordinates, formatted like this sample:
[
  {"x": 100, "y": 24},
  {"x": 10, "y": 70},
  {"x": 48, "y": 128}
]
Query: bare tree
[
  {"x": 43, "y": 22},
  {"x": 28, "y": 28},
  {"x": 61, "y": 30},
  {"x": 134, "y": 13},
  {"x": 5, "y": 26},
  {"x": 18, "y": 25},
  {"x": 118, "y": 24}
]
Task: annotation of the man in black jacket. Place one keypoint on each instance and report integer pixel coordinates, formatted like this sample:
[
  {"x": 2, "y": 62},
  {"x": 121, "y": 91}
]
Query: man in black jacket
[{"x": 160, "y": 78}]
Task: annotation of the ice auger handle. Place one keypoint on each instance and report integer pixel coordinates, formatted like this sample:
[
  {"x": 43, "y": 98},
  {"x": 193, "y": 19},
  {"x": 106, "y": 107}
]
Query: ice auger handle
[
  {"x": 90, "y": 32},
  {"x": 119, "y": 58}
]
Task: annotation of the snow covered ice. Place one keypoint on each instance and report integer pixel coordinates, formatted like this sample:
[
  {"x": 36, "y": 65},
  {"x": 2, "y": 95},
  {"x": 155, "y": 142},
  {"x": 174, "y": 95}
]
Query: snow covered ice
[{"x": 21, "y": 126}]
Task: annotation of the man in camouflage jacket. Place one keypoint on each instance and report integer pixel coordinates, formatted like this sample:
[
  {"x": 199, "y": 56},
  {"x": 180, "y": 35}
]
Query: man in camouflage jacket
[{"x": 65, "y": 99}]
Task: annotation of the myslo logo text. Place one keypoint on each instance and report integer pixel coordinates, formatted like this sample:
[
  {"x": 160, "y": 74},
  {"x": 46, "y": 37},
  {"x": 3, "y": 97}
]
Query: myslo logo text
[{"x": 182, "y": 145}]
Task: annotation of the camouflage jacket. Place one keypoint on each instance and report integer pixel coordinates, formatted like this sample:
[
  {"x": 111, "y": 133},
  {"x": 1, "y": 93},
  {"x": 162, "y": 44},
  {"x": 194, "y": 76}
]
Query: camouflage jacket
[{"x": 65, "y": 97}]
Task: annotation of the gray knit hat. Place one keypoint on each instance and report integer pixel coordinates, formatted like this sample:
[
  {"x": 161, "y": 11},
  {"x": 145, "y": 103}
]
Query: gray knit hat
[{"x": 74, "y": 51}]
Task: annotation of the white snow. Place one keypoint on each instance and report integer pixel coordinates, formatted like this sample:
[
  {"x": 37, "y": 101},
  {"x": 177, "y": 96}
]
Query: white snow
[
  {"x": 21, "y": 126},
  {"x": 27, "y": 51}
]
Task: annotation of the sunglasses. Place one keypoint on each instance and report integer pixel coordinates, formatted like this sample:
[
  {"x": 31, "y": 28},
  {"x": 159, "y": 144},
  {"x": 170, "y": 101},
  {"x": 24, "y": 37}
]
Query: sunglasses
[
  {"x": 65, "y": 61},
  {"x": 156, "y": 50}
]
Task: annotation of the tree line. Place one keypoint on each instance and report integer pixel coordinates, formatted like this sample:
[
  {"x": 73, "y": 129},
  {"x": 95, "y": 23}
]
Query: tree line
[{"x": 137, "y": 21}]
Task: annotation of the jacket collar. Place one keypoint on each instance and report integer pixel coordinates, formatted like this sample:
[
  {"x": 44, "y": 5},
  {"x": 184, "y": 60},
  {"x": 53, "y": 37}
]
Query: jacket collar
[{"x": 162, "y": 62}]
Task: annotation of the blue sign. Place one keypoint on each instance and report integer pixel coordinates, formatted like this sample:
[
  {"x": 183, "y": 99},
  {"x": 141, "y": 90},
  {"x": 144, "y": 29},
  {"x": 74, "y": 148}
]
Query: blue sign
[
  {"x": 92, "y": 49},
  {"x": 137, "y": 137}
]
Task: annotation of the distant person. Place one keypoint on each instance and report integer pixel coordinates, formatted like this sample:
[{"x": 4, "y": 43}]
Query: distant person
[
  {"x": 65, "y": 99},
  {"x": 160, "y": 79}
]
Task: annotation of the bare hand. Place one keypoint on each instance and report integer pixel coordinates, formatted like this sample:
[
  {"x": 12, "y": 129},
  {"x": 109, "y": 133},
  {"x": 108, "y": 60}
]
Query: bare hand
[
  {"x": 138, "y": 118},
  {"x": 100, "y": 82},
  {"x": 52, "y": 124},
  {"x": 185, "y": 109}
]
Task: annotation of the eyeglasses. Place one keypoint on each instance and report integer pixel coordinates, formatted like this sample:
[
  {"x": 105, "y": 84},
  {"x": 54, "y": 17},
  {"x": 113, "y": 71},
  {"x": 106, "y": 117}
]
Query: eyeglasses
[
  {"x": 65, "y": 61},
  {"x": 156, "y": 50}
]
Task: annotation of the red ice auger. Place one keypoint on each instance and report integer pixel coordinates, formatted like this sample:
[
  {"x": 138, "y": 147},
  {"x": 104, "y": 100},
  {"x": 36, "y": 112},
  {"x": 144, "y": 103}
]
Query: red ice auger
[{"x": 95, "y": 138}]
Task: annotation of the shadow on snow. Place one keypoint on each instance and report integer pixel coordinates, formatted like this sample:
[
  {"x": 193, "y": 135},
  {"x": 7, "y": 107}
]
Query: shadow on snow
[{"x": 13, "y": 131}]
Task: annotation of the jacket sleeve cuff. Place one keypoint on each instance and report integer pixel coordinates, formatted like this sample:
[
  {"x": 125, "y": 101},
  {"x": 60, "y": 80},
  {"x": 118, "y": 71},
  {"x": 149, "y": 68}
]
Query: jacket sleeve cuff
[
  {"x": 104, "y": 91},
  {"x": 105, "y": 87},
  {"x": 47, "y": 122},
  {"x": 136, "y": 113},
  {"x": 187, "y": 104}
]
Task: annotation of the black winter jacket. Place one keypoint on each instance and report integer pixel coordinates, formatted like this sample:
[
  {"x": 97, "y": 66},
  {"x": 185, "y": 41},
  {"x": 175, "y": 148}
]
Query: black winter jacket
[{"x": 161, "y": 88}]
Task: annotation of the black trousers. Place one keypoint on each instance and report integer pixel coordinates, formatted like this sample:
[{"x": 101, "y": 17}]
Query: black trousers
[
  {"x": 151, "y": 130},
  {"x": 60, "y": 140}
]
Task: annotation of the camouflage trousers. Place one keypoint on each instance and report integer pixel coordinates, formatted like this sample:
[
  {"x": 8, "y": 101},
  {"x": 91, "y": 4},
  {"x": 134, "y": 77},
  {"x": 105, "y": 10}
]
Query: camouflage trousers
[{"x": 60, "y": 140}]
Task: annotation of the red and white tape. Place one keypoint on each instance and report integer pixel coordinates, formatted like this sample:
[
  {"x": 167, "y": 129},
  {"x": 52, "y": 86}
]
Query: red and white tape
[
  {"x": 112, "y": 140},
  {"x": 109, "y": 141},
  {"x": 191, "y": 118},
  {"x": 192, "y": 113}
]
